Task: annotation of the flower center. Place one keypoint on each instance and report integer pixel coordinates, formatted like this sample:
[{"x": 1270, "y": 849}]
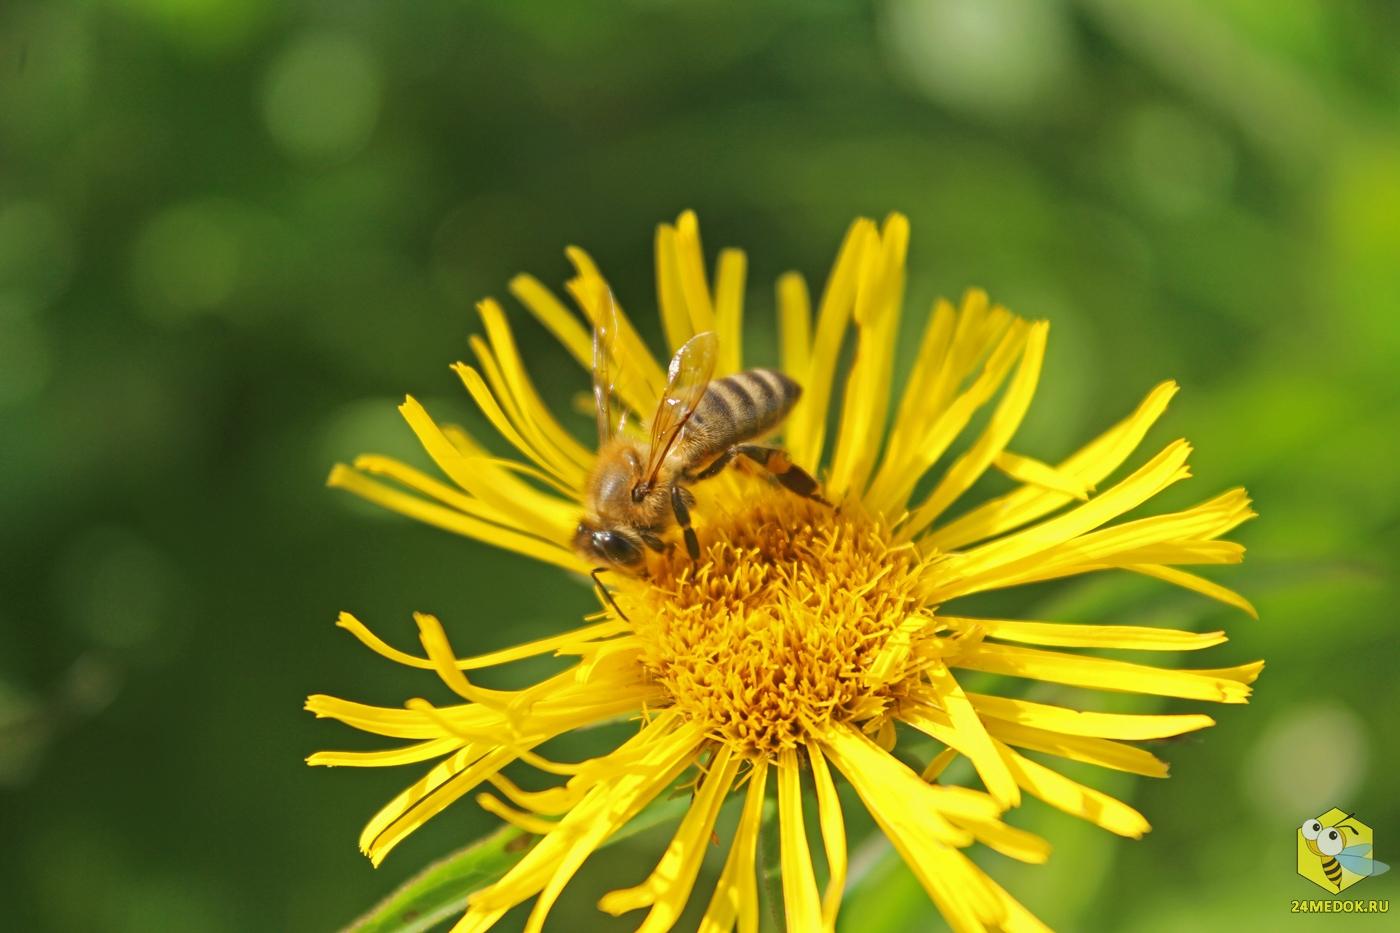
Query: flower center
[{"x": 786, "y": 621}]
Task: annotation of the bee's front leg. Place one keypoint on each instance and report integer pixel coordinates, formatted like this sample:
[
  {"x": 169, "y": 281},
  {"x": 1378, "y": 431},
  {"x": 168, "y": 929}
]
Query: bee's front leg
[{"x": 681, "y": 508}]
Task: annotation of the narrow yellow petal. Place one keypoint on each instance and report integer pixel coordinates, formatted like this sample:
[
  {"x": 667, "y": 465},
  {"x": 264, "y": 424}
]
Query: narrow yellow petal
[
  {"x": 729, "y": 310},
  {"x": 1105, "y": 753},
  {"x": 690, "y": 268},
  {"x": 343, "y": 477},
  {"x": 1005, "y": 420},
  {"x": 536, "y": 414},
  {"x": 668, "y": 887},
  {"x": 833, "y": 835},
  {"x": 1090, "y": 466},
  {"x": 794, "y": 325},
  {"x": 802, "y": 905},
  {"x": 427, "y": 797},
  {"x": 650, "y": 761},
  {"x": 1057, "y": 667},
  {"x": 393, "y": 723},
  {"x": 1061, "y": 635},
  {"x": 806, "y": 427},
  {"x": 979, "y": 568},
  {"x": 670, "y": 293},
  {"x": 938, "y": 764},
  {"x": 1074, "y": 798},
  {"x": 539, "y": 513},
  {"x": 519, "y": 819},
  {"x": 650, "y": 375},
  {"x": 1034, "y": 472},
  {"x": 917, "y": 404},
  {"x": 865, "y": 402},
  {"x": 736, "y": 893},
  {"x": 908, "y": 812},
  {"x": 408, "y": 754},
  {"x": 941, "y": 426},
  {"x": 621, "y": 802},
  {"x": 1201, "y": 585},
  {"x": 973, "y": 740},
  {"x": 1129, "y": 726},
  {"x": 567, "y": 643},
  {"x": 491, "y": 407}
]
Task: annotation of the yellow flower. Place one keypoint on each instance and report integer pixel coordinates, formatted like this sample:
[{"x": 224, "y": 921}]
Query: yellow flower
[{"x": 788, "y": 652}]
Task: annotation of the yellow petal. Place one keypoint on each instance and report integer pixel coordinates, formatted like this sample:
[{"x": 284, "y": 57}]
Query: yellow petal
[
  {"x": 1132, "y": 727},
  {"x": 1105, "y": 753},
  {"x": 670, "y": 293},
  {"x": 518, "y": 818},
  {"x": 806, "y": 426},
  {"x": 981, "y": 567},
  {"x": 1056, "y": 634},
  {"x": 343, "y": 477},
  {"x": 1192, "y": 582},
  {"x": 794, "y": 325},
  {"x": 833, "y": 835},
  {"x": 801, "y": 903},
  {"x": 729, "y": 310},
  {"x": 939, "y": 426},
  {"x": 427, "y": 797},
  {"x": 408, "y": 754},
  {"x": 1057, "y": 667},
  {"x": 567, "y": 643},
  {"x": 973, "y": 740},
  {"x": 1094, "y": 462},
  {"x": 736, "y": 893},
  {"x": 865, "y": 402},
  {"x": 668, "y": 887},
  {"x": 690, "y": 267},
  {"x": 1074, "y": 798},
  {"x": 1034, "y": 472},
  {"x": 1005, "y": 420},
  {"x": 909, "y": 814}
]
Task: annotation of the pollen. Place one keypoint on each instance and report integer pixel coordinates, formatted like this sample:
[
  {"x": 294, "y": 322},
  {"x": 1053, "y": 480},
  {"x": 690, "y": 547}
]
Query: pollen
[{"x": 784, "y": 624}]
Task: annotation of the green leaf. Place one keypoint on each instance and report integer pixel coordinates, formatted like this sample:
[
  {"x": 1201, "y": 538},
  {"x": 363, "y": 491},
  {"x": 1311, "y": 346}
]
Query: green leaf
[{"x": 439, "y": 892}]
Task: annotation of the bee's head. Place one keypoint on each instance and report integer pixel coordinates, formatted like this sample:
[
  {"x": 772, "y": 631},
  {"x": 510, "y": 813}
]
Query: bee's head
[{"x": 612, "y": 546}]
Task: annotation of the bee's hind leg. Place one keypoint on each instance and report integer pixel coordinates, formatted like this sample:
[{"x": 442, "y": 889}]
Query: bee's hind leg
[
  {"x": 776, "y": 461},
  {"x": 680, "y": 504}
]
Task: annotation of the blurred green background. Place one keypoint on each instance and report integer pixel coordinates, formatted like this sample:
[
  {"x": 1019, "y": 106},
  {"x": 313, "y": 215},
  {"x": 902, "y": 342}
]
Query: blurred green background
[{"x": 234, "y": 232}]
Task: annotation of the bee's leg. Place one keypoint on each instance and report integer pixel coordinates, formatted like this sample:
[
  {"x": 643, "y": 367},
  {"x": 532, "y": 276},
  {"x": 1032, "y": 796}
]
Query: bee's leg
[
  {"x": 776, "y": 461},
  {"x": 653, "y": 542},
  {"x": 682, "y": 510},
  {"x": 719, "y": 463},
  {"x": 606, "y": 593}
]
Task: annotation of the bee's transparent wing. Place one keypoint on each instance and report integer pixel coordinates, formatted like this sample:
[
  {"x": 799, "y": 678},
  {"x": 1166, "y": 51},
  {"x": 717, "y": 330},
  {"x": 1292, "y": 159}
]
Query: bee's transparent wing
[
  {"x": 686, "y": 380},
  {"x": 1356, "y": 859},
  {"x": 604, "y": 337}
]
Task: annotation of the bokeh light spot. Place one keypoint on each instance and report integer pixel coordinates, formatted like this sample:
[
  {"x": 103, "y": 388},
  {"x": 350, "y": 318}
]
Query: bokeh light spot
[
  {"x": 116, "y": 588},
  {"x": 1310, "y": 758},
  {"x": 187, "y": 260},
  {"x": 321, "y": 98},
  {"x": 989, "y": 57}
]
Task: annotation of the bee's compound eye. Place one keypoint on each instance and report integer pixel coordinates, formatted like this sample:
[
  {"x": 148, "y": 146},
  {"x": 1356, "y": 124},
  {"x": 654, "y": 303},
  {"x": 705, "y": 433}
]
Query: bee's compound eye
[
  {"x": 616, "y": 548},
  {"x": 1310, "y": 829},
  {"x": 1330, "y": 841}
]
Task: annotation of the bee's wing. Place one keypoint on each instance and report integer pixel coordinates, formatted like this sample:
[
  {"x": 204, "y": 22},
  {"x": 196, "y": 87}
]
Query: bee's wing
[
  {"x": 604, "y": 336},
  {"x": 1355, "y": 860},
  {"x": 686, "y": 380}
]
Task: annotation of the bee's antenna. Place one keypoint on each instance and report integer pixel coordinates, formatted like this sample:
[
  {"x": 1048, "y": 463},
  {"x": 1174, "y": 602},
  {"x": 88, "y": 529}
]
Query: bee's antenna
[{"x": 607, "y": 595}]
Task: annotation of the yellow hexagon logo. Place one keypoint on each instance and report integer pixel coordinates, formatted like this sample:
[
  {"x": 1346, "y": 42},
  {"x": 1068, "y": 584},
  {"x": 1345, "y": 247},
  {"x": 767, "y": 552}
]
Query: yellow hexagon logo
[{"x": 1334, "y": 851}]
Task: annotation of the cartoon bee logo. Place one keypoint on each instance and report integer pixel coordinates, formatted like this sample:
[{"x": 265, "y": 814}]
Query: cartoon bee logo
[{"x": 1343, "y": 847}]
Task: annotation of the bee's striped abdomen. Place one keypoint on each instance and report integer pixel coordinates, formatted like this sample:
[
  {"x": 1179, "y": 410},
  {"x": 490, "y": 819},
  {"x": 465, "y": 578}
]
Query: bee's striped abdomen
[
  {"x": 743, "y": 406},
  {"x": 1333, "y": 870}
]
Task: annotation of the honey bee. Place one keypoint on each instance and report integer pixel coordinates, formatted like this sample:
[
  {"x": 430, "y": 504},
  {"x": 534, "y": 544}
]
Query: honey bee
[
  {"x": 636, "y": 490},
  {"x": 1329, "y": 844}
]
